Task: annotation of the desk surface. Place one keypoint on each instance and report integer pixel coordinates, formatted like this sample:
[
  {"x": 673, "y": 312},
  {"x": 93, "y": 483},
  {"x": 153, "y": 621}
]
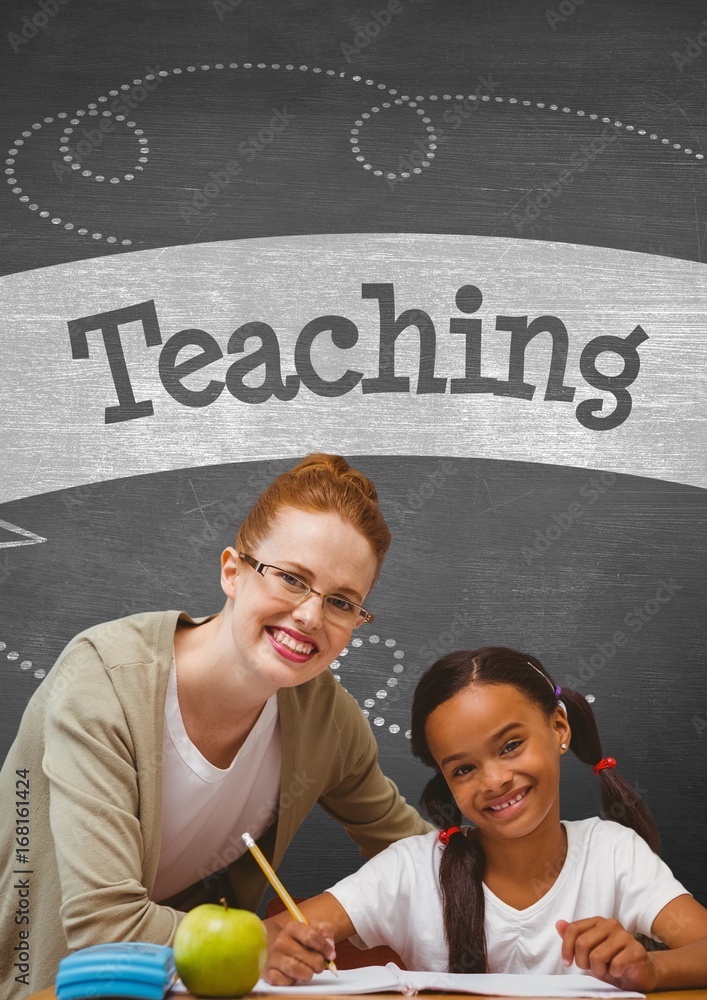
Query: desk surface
[{"x": 49, "y": 994}]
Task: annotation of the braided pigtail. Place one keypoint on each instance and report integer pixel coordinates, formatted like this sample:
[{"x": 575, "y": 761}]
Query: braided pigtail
[
  {"x": 461, "y": 874},
  {"x": 620, "y": 802}
]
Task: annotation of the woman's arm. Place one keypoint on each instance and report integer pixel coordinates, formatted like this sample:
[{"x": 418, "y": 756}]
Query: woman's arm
[
  {"x": 101, "y": 788},
  {"x": 296, "y": 951},
  {"x": 361, "y": 798}
]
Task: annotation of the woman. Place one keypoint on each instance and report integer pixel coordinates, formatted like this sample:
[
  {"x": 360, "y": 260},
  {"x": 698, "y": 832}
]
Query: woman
[{"x": 156, "y": 740}]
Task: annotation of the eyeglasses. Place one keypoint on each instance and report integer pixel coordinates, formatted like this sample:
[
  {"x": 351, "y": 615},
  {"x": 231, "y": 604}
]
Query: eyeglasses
[{"x": 289, "y": 587}]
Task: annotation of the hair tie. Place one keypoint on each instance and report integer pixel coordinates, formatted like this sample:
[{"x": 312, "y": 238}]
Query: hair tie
[
  {"x": 603, "y": 764},
  {"x": 444, "y": 835},
  {"x": 557, "y": 690}
]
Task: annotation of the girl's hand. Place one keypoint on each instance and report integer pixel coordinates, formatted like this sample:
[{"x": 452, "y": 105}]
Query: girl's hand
[
  {"x": 603, "y": 948},
  {"x": 297, "y": 951}
]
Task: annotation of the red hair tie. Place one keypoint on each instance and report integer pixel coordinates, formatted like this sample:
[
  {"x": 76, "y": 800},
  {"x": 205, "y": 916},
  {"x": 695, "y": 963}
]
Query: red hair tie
[
  {"x": 444, "y": 835},
  {"x": 604, "y": 763}
]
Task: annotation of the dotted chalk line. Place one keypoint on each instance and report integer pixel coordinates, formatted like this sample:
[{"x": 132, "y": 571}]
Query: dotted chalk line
[
  {"x": 24, "y": 664},
  {"x": 413, "y": 103},
  {"x": 381, "y": 695},
  {"x": 75, "y": 165}
]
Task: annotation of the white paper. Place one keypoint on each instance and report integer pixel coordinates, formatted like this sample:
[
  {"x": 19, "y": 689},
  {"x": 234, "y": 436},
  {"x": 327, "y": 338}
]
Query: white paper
[
  {"x": 380, "y": 979},
  {"x": 370, "y": 979}
]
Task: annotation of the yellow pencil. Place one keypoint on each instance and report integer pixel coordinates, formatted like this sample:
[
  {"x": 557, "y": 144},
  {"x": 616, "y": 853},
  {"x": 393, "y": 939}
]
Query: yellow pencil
[{"x": 279, "y": 887}]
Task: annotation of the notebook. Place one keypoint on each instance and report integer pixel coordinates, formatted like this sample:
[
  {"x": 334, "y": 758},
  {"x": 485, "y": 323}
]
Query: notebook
[{"x": 389, "y": 978}]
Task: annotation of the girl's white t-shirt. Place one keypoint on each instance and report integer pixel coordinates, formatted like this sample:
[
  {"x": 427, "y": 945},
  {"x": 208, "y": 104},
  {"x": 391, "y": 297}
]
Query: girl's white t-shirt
[
  {"x": 609, "y": 871},
  {"x": 205, "y": 809}
]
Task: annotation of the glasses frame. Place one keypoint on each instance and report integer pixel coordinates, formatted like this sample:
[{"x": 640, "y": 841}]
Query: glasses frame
[{"x": 259, "y": 567}]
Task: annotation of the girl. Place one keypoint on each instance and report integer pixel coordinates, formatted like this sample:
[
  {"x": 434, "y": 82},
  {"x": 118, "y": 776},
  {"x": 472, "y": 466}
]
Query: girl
[
  {"x": 519, "y": 891},
  {"x": 157, "y": 740}
]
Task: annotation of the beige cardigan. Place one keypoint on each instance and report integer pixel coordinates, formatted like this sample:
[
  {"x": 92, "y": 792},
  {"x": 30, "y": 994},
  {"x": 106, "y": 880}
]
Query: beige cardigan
[{"x": 90, "y": 742}]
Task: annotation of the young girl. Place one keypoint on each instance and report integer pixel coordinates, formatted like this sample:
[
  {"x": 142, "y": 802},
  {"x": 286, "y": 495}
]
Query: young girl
[{"x": 520, "y": 891}]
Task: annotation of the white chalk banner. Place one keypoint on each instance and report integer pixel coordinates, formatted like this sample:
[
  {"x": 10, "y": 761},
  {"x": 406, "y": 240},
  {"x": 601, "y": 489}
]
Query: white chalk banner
[{"x": 461, "y": 346}]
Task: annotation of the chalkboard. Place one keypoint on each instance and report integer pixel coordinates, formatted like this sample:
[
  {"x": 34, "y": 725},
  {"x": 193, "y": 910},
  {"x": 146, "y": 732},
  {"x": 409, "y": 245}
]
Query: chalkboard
[{"x": 206, "y": 165}]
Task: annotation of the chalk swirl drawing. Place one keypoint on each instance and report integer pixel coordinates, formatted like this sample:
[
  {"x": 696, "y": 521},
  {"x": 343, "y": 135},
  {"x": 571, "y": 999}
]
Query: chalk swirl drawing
[
  {"x": 378, "y": 708},
  {"x": 384, "y": 661},
  {"x": 429, "y": 143},
  {"x": 13, "y": 656}
]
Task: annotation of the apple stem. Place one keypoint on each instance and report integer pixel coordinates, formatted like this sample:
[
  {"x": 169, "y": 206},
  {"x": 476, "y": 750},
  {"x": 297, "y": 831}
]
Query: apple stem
[{"x": 223, "y": 902}]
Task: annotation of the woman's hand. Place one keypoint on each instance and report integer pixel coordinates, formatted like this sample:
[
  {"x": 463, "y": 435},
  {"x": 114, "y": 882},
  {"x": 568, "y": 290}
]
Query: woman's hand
[
  {"x": 297, "y": 951},
  {"x": 606, "y": 950}
]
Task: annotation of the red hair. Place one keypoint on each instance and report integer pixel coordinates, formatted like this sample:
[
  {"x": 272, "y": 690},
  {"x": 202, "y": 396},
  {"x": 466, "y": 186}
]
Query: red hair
[{"x": 319, "y": 484}]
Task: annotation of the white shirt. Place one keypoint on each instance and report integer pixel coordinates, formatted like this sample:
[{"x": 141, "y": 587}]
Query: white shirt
[
  {"x": 609, "y": 871},
  {"x": 205, "y": 809}
]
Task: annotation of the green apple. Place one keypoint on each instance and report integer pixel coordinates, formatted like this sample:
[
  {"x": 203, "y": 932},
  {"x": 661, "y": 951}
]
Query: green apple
[{"x": 220, "y": 952}]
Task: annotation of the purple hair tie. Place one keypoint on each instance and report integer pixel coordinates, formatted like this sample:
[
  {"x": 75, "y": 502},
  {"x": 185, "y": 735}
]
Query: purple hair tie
[{"x": 558, "y": 690}]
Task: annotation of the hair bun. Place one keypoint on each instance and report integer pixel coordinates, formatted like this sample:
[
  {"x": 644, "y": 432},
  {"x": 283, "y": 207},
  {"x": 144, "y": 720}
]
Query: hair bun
[
  {"x": 338, "y": 468},
  {"x": 319, "y": 484}
]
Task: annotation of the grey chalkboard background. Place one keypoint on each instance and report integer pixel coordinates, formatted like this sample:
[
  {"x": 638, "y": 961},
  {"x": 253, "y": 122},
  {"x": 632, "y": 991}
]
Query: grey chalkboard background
[
  {"x": 457, "y": 574},
  {"x": 465, "y": 570},
  {"x": 613, "y": 59}
]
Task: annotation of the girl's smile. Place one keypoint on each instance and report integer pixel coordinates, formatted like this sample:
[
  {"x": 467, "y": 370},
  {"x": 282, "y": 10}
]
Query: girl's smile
[{"x": 510, "y": 804}]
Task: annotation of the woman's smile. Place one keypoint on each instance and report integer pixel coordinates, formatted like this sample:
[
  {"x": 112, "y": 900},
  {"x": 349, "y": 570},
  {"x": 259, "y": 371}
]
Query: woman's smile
[{"x": 291, "y": 644}]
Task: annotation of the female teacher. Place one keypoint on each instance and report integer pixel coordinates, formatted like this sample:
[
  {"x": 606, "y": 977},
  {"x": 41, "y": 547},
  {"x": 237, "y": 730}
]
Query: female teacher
[{"x": 155, "y": 741}]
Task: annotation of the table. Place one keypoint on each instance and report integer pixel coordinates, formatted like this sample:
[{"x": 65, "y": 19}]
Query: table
[{"x": 49, "y": 994}]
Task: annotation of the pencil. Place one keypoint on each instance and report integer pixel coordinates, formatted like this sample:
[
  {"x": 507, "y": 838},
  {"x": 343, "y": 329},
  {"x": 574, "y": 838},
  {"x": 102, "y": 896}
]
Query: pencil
[{"x": 279, "y": 887}]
